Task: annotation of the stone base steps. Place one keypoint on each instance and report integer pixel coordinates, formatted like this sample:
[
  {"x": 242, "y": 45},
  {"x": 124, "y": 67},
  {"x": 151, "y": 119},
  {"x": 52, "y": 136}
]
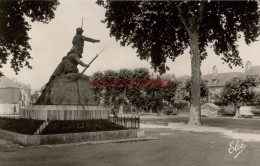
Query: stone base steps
[{"x": 41, "y": 128}]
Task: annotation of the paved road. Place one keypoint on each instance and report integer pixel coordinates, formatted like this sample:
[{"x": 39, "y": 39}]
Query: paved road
[{"x": 173, "y": 148}]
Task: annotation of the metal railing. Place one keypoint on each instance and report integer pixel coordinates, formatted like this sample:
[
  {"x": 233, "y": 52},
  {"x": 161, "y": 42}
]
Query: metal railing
[
  {"x": 132, "y": 122},
  {"x": 10, "y": 116}
]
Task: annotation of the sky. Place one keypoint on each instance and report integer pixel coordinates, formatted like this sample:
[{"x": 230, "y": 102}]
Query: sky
[{"x": 50, "y": 42}]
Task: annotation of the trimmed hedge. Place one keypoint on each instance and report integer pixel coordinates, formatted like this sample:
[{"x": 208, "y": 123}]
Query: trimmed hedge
[
  {"x": 22, "y": 126},
  {"x": 77, "y": 126}
]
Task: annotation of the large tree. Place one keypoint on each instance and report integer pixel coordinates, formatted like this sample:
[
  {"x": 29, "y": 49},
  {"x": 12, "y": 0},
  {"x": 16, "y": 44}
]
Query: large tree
[
  {"x": 118, "y": 87},
  {"x": 96, "y": 82},
  {"x": 154, "y": 99},
  {"x": 169, "y": 91},
  {"x": 122, "y": 89},
  {"x": 239, "y": 90},
  {"x": 14, "y": 29},
  {"x": 136, "y": 94},
  {"x": 204, "y": 89},
  {"x": 111, "y": 92},
  {"x": 163, "y": 30}
]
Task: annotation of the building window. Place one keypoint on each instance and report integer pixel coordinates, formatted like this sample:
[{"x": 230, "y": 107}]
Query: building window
[{"x": 214, "y": 81}]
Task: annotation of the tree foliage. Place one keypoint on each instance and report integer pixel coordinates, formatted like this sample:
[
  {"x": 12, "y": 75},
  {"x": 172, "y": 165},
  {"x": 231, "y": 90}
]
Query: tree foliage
[
  {"x": 114, "y": 86},
  {"x": 111, "y": 93},
  {"x": 162, "y": 30},
  {"x": 97, "y": 91},
  {"x": 239, "y": 90},
  {"x": 256, "y": 100},
  {"x": 117, "y": 93},
  {"x": 136, "y": 95},
  {"x": 169, "y": 91},
  {"x": 156, "y": 95},
  {"x": 34, "y": 97},
  {"x": 153, "y": 97},
  {"x": 204, "y": 89},
  {"x": 14, "y": 29},
  {"x": 156, "y": 30}
]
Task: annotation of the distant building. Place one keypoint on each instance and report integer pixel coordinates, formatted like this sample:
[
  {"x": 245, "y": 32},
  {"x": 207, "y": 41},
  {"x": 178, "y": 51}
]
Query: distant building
[
  {"x": 168, "y": 76},
  {"x": 255, "y": 71},
  {"x": 26, "y": 93},
  {"x": 36, "y": 94},
  {"x": 248, "y": 66},
  {"x": 216, "y": 81},
  {"x": 13, "y": 95},
  {"x": 181, "y": 89},
  {"x": 163, "y": 76}
]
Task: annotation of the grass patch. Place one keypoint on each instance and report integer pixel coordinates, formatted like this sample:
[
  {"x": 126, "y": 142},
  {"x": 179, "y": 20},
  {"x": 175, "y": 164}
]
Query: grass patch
[
  {"x": 77, "y": 126},
  {"x": 22, "y": 126}
]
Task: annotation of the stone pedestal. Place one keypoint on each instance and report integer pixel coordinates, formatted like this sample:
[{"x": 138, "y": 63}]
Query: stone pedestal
[
  {"x": 70, "y": 89},
  {"x": 67, "y": 97}
]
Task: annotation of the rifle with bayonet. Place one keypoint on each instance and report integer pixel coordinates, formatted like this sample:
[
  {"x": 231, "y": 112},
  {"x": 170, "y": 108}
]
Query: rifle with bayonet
[{"x": 93, "y": 60}]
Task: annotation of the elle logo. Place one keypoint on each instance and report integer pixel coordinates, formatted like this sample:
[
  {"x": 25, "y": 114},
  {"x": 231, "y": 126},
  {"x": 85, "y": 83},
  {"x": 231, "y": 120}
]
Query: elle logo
[{"x": 236, "y": 147}]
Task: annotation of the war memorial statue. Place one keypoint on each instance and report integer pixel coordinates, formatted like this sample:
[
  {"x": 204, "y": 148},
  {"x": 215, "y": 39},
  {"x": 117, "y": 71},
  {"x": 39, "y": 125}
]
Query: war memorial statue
[
  {"x": 66, "y": 111},
  {"x": 67, "y": 71},
  {"x": 67, "y": 94}
]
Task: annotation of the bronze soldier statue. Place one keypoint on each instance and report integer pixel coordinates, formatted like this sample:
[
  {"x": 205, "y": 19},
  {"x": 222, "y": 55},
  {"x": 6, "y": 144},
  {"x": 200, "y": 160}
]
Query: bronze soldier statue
[
  {"x": 72, "y": 59},
  {"x": 68, "y": 65},
  {"x": 78, "y": 42}
]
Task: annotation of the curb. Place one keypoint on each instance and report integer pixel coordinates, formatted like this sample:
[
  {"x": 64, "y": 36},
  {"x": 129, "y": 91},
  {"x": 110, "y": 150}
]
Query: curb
[
  {"x": 246, "y": 131},
  {"x": 97, "y": 142}
]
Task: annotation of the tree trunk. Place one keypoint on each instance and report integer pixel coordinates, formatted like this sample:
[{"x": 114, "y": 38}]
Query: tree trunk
[
  {"x": 195, "y": 80},
  {"x": 237, "y": 115},
  {"x": 121, "y": 106},
  {"x": 121, "y": 109},
  {"x": 158, "y": 112},
  {"x": 192, "y": 25}
]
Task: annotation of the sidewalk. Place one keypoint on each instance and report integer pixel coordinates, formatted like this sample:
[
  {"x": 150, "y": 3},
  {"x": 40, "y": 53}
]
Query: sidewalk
[
  {"x": 243, "y": 124},
  {"x": 246, "y": 135}
]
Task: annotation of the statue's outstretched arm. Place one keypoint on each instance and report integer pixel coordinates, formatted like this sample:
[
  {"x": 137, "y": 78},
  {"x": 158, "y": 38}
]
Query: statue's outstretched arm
[
  {"x": 76, "y": 56},
  {"x": 90, "y": 39}
]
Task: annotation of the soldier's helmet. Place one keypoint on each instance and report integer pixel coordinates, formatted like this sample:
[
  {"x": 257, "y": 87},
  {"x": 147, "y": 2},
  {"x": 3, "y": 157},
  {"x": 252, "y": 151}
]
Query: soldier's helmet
[{"x": 79, "y": 30}]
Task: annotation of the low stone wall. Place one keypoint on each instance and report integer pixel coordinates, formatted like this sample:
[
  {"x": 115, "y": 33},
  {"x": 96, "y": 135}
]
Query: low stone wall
[
  {"x": 29, "y": 140},
  {"x": 64, "y": 112}
]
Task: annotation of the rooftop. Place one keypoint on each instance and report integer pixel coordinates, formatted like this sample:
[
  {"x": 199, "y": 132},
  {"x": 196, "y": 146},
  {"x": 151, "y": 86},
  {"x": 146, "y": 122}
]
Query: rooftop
[
  {"x": 168, "y": 76},
  {"x": 221, "y": 79},
  {"x": 255, "y": 70},
  {"x": 183, "y": 78},
  {"x": 7, "y": 83}
]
